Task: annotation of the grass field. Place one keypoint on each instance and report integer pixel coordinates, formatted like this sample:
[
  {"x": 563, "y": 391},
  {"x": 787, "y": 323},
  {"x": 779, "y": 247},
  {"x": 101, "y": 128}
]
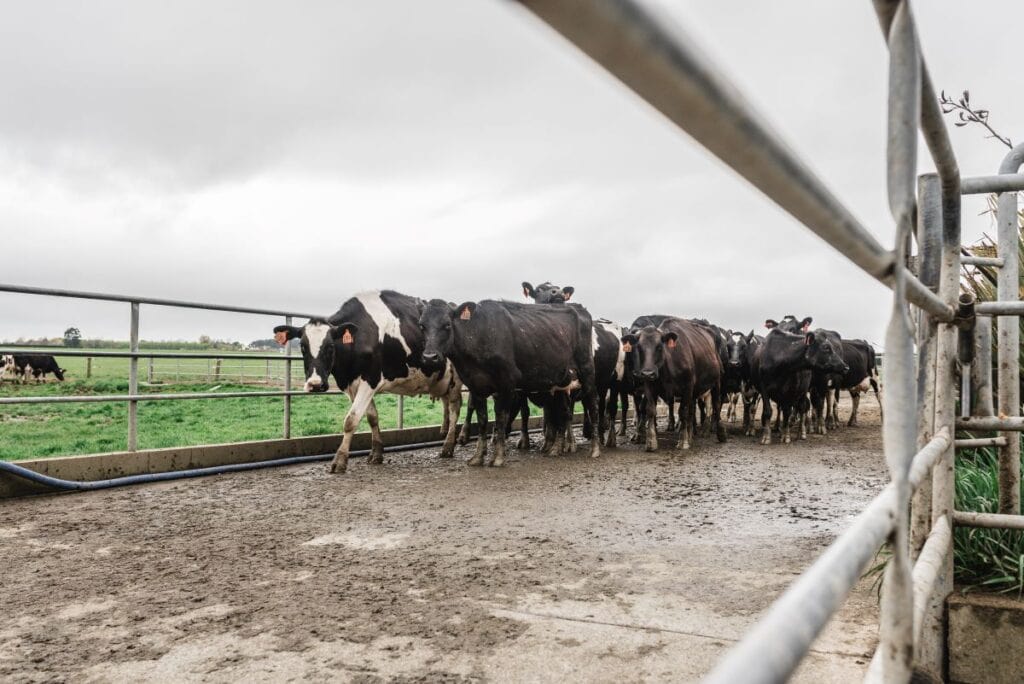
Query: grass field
[{"x": 42, "y": 430}]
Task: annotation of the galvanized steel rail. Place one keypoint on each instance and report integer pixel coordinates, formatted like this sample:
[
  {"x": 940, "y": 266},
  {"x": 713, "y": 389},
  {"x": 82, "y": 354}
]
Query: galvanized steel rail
[{"x": 654, "y": 58}]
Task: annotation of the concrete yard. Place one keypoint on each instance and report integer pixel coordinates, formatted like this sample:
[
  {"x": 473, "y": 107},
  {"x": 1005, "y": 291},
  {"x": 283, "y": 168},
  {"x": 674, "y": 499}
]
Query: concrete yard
[{"x": 632, "y": 567}]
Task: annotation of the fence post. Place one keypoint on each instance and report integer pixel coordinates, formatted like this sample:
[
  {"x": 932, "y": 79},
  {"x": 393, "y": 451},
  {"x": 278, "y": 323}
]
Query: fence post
[
  {"x": 216, "y": 370},
  {"x": 88, "y": 367},
  {"x": 241, "y": 371},
  {"x": 149, "y": 375},
  {"x": 981, "y": 369},
  {"x": 133, "y": 379},
  {"x": 209, "y": 369},
  {"x": 1008, "y": 333},
  {"x": 268, "y": 372},
  {"x": 401, "y": 411},
  {"x": 287, "y": 384}
]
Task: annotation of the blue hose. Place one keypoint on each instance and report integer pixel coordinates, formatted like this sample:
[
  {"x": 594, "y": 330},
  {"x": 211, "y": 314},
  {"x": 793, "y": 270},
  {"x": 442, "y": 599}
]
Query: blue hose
[{"x": 74, "y": 485}]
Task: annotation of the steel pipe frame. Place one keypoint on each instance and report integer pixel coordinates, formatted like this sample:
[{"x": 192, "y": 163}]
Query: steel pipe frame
[
  {"x": 654, "y": 58},
  {"x": 981, "y": 369},
  {"x": 133, "y": 397},
  {"x": 1008, "y": 334},
  {"x": 995, "y": 521},
  {"x": 61, "y": 351},
  {"x": 994, "y": 423},
  {"x": 983, "y": 185},
  {"x": 976, "y": 442},
  {"x": 971, "y": 260},
  {"x": 52, "y": 292},
  {"x": 1000, "y": 308}
]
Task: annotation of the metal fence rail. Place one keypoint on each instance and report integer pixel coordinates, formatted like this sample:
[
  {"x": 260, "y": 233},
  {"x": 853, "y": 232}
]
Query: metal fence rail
[{"x": 654, "y": 58}]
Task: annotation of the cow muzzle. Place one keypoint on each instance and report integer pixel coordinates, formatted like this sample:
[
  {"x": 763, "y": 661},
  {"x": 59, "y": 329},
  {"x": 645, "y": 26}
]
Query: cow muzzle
[
  {"x": 648, "y": 375},
  {"x": 314, "y": 383}
]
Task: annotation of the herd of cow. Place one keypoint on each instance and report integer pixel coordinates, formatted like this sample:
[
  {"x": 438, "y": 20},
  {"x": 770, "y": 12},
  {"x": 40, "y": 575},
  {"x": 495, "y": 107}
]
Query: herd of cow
[
  {"x": 22, "y": 367},
  {"x": 552, "y": 353}
]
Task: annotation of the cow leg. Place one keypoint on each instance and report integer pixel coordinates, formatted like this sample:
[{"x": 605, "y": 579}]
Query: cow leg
[
  {"x": 766, "y": 420},
  {"x": 786, "y": 411},
  {"x": 480, "y": 408},
  {"x": 671, "y": 415},
  {"x": 524, "y": 424},
  {"x": 464, "y": 433},
  {"x": 569, "y": 445},
  {"x": 651, "y": 423},
  {"x": 640, "y": 404},
  {"x": 360, "y": 403},
  {"x": 855, "y": 396},
  {"x": 686, "y": 418},
  {"x": 590, "y": 407},
  {"x": 830, "y": 410},
  {"x": 611, "y": 408},
  {"x": 624, "y": 398},
  {"x": 878, "y": 398},
  {"x": 452, "y": 407},
  {"x": 817, "y": 404},
  {"x": 716, "y": 414},
  {"x": 376, "y": 456},
  {"x": 502, "y": 406}
]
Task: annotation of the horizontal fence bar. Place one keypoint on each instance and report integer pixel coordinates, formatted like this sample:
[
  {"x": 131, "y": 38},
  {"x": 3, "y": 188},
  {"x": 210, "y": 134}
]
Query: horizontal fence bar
[
  {"x": 51, "y": 292},
  {"x": 653, "y": 57},
  {"x": 166, "y": 396},
  {"x": 927, "y": 569},
  {"x": 1004, "y": 182},
  {"x": 921, "y": 295},
  {"x": 774, "y": 647},
  {"x": 1014, "y": 424},
  {"x": 968, "y": 260},
  {"x": 1008, "y": 308},
  {"x": 996, "y": 521},
  {"x": 61, "y": 351},
  {"x": 980, "y": 442},
  {"x": 926, "y": 458}
]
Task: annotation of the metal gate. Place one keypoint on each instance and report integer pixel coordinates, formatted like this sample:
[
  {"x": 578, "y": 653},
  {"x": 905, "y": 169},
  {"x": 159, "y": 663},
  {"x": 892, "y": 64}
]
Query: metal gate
[{"x": 655, "y": 59}]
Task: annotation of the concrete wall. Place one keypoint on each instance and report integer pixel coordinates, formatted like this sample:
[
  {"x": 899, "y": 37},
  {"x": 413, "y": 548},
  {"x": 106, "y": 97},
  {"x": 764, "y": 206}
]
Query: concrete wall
[
  {"x": 122, "y": 463},
  {"x": 986, "y": 639}
]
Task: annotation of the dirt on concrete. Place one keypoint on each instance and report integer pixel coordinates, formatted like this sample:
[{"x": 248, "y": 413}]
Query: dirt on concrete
[{"x": 632, "y": 567}]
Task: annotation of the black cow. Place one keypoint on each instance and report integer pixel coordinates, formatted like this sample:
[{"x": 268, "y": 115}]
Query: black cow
[
  {"x": 638, "y": 390},
  {"x": 36, "y": 365},
  {"x": 822, "y": 382},
  {"x": 790, "y": 324},
  {"x": 609, "y": 363},
  {"x": 372, "y": 344},
  {"x": 862, "y": 374},
  {"x": 782, "y": 368},
  {"x": 678, "y": 360},
  {"x": 501, "y": 347}
]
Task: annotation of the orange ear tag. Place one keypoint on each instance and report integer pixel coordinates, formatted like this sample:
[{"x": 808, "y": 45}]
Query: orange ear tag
[
  {"x": 281, "y": 338},
  {"x": 465, "y": 315},
  {"x": 346, "y": 337},
  {"x": 671, "y": 344},
  {"x": 627, "y": 347}
]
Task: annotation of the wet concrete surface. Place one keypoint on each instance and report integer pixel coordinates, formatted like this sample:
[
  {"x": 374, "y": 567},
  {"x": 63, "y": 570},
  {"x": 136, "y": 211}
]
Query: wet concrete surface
[{"x": 632, "y": 567}]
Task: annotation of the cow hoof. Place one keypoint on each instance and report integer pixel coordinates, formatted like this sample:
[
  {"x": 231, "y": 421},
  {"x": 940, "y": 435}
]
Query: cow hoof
[
  {"x": 766, "y": 440},
  {"x": 852, "y": 423},
  {"x": 722, "y": 435},
  {"x": 448, "y": 453},
  {"x": 336, "y": 469},
  {"x": 476, "y": 460},
  {"x": 497, "y": 462},
  {"x": 610, "y": 441},
  {"x": 684, "y": 446},
  {"x": 523, "y": 444},
  {"x": 595, "y": 452},
  {"x": 787, "y": 440}
]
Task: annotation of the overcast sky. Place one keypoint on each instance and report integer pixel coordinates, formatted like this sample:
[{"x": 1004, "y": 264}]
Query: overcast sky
[{"x": 288, "y": 155}]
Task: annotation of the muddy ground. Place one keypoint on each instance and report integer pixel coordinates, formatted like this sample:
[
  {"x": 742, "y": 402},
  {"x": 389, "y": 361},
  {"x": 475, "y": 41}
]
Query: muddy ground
[{"x": 633, "y": 567}]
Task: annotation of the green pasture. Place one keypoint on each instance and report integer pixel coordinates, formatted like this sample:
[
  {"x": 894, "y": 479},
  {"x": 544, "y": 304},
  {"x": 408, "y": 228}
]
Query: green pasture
[{"x": 43, "y": 430}]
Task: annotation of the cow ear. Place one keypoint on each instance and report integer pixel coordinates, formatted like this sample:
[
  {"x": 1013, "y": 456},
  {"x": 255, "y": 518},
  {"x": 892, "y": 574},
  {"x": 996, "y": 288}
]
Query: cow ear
[
  {"x": 345, "y": 333},
  {"x": 769, "y": 323},
  {"x": 669, "y": 339},
  {"x": 809, "y": 338},
  {"x": 528, "y": 290},
  {"x": 750, "y": 337},
  {"x": 628, "y": 342},
  {"x": 464, "y": 311},
  {"x": 806, "y": 323},
  {"x": 283, "y": 333},
  {"x": 567, "y": 291}
]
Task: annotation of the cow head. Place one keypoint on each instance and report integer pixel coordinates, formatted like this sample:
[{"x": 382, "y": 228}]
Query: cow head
[
  {"x": 546, "y": 293},
  {"x": 648, "y": 345},
  {"x": 320, "y": 342},
  {"x": 790, "y": 324},
  {"x": 436, "y": 325},
  {"x": 823, "y": 353},
  {"x": 736, "y": 345}
]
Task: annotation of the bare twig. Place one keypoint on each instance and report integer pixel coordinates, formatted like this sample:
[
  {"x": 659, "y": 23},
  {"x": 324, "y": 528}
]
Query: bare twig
[{"x": 967, "y": 115}]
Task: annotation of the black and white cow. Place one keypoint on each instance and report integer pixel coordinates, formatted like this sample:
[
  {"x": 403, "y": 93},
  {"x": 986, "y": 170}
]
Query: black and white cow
[
  {"x": 374, "y": 344},
  {"x": 499, "y": 348},
  {"x": 37, "y": 366},
  {"x": 7, "y": 370},
  {"x": 677, "y": 360},
  {"x": 546, "y": 293},
  {"x": 823, "y": 399},
  {"x": 748, "y": 346},
  {"x": 638, "y": 390},
  {"x": 782, "y": 368}
]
